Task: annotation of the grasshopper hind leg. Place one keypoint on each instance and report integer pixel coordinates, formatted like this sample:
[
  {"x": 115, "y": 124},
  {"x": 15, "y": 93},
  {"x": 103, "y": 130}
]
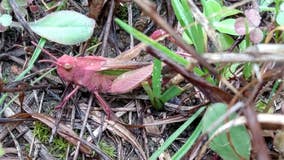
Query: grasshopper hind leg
[{"x": 105, "y": 106}]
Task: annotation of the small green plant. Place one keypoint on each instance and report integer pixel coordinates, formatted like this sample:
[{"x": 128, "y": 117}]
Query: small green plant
[
  {"x": 41, "y": 131},
  {"x": 155, "y": 93},
  {"x": 57, "y": 147},
  {"x": 107, "y": 149}
]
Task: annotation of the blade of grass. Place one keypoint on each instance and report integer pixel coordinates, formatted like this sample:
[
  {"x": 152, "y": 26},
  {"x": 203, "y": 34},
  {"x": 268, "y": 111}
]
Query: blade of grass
[
  {"x": 145, "y": 39},
  {"x": 34, "y": 57},
  {"x": 189, "y": 142},
  {"x": 194, "y": 31},
  {"x": 170, "y": 93},
  {"x": 170, "y": 140},
  {"x": 149, "y": 91},
  {"x": 154, "y": 100},
  {"x": 157, "y": 77}
]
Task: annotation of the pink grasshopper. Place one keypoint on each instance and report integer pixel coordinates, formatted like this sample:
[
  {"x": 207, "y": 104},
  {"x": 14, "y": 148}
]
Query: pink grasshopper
[{"x": 89, "y": 72}]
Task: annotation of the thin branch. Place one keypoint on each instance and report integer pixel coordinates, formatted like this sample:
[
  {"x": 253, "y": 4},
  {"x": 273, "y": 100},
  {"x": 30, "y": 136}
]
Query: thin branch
[{"x": 107, "y": 28}]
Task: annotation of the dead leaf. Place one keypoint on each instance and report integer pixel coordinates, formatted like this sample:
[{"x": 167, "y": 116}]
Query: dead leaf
[
  {"x": 151, "y": 129},
  {"x": 95, "y": 7}
]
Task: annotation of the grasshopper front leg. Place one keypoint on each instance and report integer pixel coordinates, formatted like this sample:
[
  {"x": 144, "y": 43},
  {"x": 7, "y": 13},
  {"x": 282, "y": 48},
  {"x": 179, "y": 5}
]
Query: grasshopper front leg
[{"x": 66, "y": 98}]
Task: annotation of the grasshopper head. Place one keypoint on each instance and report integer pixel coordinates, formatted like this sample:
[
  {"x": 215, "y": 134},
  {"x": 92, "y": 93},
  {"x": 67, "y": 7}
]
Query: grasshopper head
[{"x": 65, "y": 67}]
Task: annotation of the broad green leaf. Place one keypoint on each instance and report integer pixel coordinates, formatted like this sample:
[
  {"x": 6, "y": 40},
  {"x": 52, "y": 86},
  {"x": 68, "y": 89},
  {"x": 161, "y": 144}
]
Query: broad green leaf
[
  {"x": 239, "y": 136},
  {"x": 244, "y": 45},
  {"x": 225, "y": 40},
  {"x": 214, "y": 11},
  {"x": 64, "y": 27},
  {"x": 226, "y": 12},
  {"x": 211, "y": 9},
  {"x": 5, "y": 20},
  {"x": 226, "y": 26},
  {"x": 21, "y": 3},
  {"x": 280, "y": 18},
  {"x": 247, "y": 71},
  {"x": 174, "y": 136}
]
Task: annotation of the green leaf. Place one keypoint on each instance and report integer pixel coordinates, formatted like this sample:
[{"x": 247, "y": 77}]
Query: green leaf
[
  {"x": 170, "y": 140},
  {"x": 149, "y": 91},
  {"x": 157, "y": 78},
  {"x": 247, "y": 71},
  {"x": 226, "y": 26},
  {"x": 226, "y": 12},
  {"x": 193, "y": 30},
  {"x": 211, "y": 9},
  {"x": 260, "y": 105},
  {"x": 239, "y": 136},
  {"x": 170, "y": 93},
  {"x": 280, "y": 18},
  {"x": 64, "y": 27},
  {"x": 186, "y": 38},
  {"x": 21, "y": 3},
  {"x": 230, "y": 70},
  {"x": 154, "y": 100},
  {"x": 225, "y": 40},
  {"x": 5, "y": 20}
]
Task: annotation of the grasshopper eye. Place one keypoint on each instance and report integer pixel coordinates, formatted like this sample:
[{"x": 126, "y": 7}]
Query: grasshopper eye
[{"x": 67, "y": 66}]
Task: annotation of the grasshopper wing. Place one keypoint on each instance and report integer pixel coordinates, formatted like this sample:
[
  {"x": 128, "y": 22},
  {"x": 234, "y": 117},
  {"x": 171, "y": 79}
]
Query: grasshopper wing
[
  {"x": 131, "y": 79},
  {"x": 112, "y": 64}
]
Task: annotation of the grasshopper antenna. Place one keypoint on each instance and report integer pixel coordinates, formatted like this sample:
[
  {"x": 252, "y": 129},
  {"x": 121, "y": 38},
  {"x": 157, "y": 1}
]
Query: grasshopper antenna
[
  {"x": 44, "y": 50},
  {"x": 49, "y": 61}
]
